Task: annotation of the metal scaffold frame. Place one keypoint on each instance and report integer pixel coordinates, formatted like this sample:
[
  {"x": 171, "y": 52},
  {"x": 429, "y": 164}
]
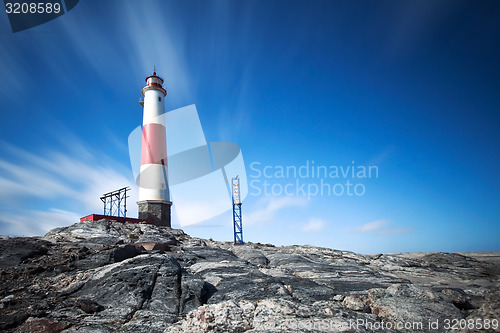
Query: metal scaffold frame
[
  {"x": 115, "y": 202},
  {"x": 237, "y": 221}
]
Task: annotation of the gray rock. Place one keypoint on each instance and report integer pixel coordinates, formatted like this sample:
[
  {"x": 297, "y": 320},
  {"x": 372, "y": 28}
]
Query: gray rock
[
  {"x": 125, "y": 252},
  {"x": 118, "y": 277},
  {"x": 252, "y": 255},
  {"x": 489, "y": 310},
  {"x": 15, "y": 250},
  {"x": 41, "y": 325},
  {"x": 90, "y": 306},
  {"x": 410, "y": 308},
  {"x": 354, "y": 302}
]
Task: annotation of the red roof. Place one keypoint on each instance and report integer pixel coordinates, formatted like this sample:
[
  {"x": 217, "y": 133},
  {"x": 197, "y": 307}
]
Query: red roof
[{"x": 154, "y": 75}]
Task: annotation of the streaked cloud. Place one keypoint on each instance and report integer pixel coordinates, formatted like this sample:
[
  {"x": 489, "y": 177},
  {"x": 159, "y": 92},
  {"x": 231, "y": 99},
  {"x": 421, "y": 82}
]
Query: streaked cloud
[
  {"x": 270, "y": 207},
  {"x": 143, "y": 43},
  {"x": 35, "y": 222},
  {"x": 371, "y": 226},
  {"x": 397, "y": 231},
  {"x": 314, "y": 224},
  {"x": 381, "y": 227},
  {"x": 62, "y": 180}
]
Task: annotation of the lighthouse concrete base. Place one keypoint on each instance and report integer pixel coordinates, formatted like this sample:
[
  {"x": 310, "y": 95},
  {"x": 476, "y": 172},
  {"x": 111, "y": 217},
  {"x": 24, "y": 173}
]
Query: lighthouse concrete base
[{"x": 156, "y": 210}]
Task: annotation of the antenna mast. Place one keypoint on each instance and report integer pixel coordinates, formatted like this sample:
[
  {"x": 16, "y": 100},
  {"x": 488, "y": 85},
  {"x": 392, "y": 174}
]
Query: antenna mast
[{"x": 238, "y": 228}]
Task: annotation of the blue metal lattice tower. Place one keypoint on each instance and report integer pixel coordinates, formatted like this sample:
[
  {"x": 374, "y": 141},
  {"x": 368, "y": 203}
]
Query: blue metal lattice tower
[{"x": 238, "y": 228}]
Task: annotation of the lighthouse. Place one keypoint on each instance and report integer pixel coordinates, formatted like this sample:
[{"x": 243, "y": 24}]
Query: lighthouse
[{"x": 154, "y": 196}]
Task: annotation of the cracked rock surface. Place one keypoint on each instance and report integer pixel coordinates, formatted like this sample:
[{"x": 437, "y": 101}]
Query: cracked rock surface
[{"x": 108, "y": 276}]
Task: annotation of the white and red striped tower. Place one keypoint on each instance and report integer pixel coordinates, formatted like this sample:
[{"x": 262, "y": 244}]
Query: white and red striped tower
[{"x": 154, "y": 197}]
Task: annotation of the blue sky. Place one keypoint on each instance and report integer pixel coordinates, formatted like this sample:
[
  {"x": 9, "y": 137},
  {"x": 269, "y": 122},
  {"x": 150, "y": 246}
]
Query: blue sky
[{"x": 410, "y": 87}]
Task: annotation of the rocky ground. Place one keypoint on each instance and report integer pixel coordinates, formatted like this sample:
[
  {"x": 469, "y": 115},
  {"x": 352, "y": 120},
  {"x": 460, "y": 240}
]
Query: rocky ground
[{"x": 112, "y": 277}]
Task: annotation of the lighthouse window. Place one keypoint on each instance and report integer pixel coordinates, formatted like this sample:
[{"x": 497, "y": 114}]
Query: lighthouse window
[{"x": 159, "y": 99}]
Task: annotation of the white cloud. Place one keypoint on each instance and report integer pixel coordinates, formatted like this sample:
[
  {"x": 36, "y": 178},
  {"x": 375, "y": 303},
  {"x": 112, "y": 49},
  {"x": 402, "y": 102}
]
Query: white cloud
[
  {"x": 379, "y": 226},
  {"x": 147, "y": 38},
  {"x": 371, "y": 226},
  {"x": 314, "y": 224},
  {"x": 397, "y": 231},
  {"x": 270, "y": 207},
  {"x": 28, "y": 179},
  {"x": 71, "y": 185},
  {"x": 36, "y": 223}
]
